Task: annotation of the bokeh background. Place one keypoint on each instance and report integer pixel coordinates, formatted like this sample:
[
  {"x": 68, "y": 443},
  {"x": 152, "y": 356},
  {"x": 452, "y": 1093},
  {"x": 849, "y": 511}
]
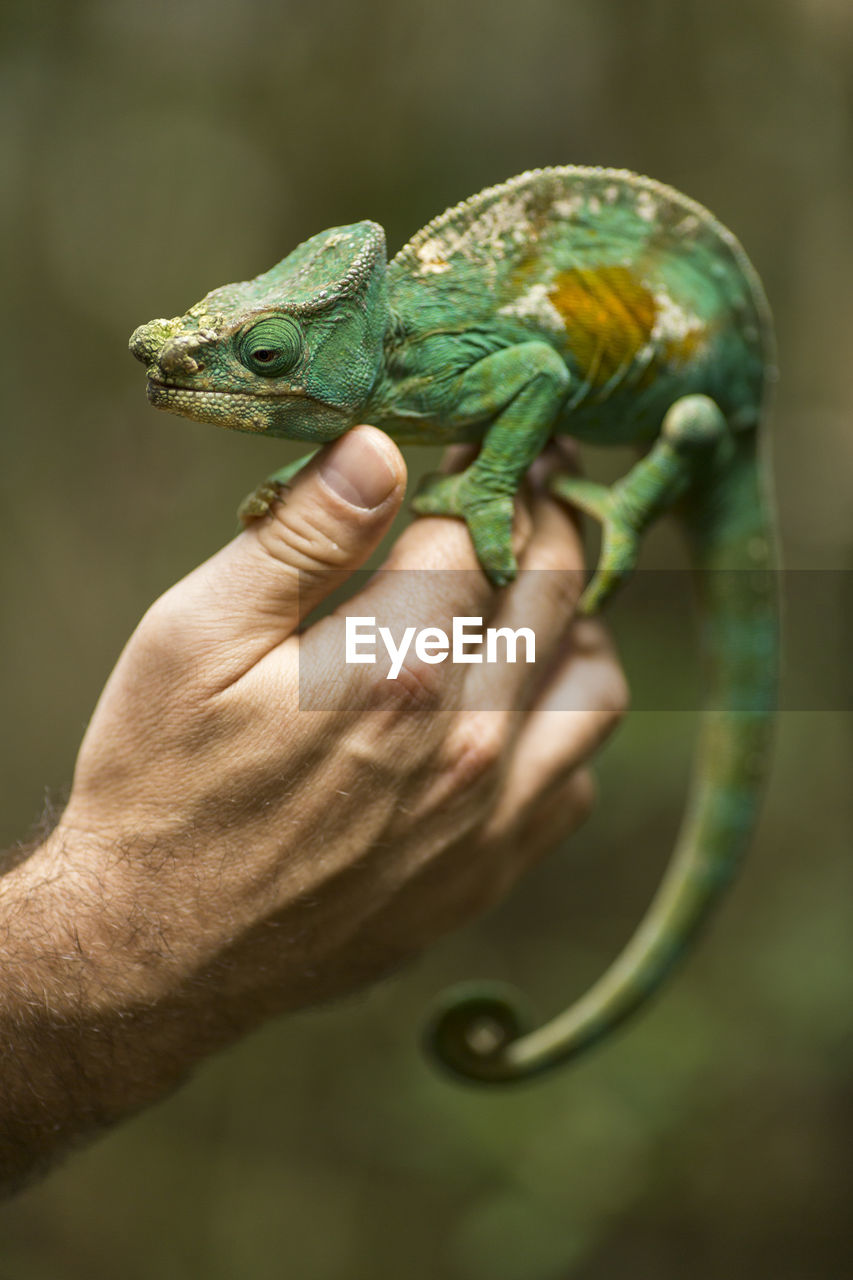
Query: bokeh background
[{"x": 151, "y": 151}]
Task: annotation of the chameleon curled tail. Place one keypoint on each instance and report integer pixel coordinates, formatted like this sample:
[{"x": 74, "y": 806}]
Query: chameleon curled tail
[{"x": 479, "y": 1033}]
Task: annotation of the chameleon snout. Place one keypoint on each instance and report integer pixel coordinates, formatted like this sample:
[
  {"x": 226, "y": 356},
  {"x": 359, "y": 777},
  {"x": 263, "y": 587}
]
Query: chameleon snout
[
  {"x": 157, "y": 343},
  {"x": 147, "y": 341}
]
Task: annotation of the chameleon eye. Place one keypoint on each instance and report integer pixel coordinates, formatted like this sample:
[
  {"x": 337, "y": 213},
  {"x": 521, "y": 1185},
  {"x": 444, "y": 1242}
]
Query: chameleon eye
[{"x": 271, "y": 347}]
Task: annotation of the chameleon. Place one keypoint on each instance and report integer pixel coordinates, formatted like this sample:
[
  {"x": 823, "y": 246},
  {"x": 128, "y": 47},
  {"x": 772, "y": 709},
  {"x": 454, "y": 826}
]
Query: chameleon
[{"x": 588, "y": 302}]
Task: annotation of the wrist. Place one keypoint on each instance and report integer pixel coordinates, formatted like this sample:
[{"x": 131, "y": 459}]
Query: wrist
[
  {"x": 76, "y": 924},
  {"x": 99, "y": 1025}
]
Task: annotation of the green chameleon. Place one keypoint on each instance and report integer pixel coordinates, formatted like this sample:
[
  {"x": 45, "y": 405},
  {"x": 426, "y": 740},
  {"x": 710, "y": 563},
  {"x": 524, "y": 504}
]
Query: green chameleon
[{"x": 588, "y": 302}]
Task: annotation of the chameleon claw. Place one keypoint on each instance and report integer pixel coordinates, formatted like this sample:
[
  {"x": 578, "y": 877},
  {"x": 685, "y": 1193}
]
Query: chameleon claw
[
  {"x": 620, "y": 549},
  {"x": 488, "y": 516},
  {"x": 262, "y": 500},
  {"x": 439, "y": 495},
  {"x": 692, "y": 427},
  {"x": 620, "y": 542},
  {"x": 593, "y": 499},
  {"x": 259, "y": 502}
]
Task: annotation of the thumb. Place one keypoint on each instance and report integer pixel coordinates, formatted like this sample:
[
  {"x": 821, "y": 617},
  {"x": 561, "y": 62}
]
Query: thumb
[{"x": 259, "y": 587}]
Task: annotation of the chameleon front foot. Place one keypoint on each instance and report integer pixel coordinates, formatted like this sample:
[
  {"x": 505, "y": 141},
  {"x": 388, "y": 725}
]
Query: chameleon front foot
[
  {"x": 262, "y": 500},
  {"x": 257, "y": 503},
  {"x": 487, "y": 514}
]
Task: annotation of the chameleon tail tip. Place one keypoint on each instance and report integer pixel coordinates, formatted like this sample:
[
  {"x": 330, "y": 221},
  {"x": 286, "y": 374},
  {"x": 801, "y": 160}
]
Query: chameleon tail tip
[{"x": 471, "y": 1028}]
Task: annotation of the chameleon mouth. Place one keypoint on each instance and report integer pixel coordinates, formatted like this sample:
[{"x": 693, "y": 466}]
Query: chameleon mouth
[
  {"x": 289, "y": 414},
  {"x": 225, "y": 408}
]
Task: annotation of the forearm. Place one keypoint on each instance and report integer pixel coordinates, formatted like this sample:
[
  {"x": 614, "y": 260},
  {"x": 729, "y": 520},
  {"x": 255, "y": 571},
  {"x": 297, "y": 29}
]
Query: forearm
[{"x": 96, "y": 1019}]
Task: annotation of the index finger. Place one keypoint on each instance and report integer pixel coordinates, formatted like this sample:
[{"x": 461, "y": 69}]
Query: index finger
[{"x": 406, "y": 624}]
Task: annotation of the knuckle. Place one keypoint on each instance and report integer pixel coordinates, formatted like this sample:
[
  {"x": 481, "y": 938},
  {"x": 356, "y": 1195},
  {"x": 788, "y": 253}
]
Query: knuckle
[
  {"x": 417, "y": 687},
  {"x": 475, "y": 747}
]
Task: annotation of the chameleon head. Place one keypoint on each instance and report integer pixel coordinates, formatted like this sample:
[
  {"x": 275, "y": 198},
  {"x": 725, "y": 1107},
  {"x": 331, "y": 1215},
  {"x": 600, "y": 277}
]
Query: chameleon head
[{"x": 294, "y": 352}]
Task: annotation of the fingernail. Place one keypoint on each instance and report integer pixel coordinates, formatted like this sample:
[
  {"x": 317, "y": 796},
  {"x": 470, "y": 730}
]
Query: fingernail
[{"x": 357, "y": 470}]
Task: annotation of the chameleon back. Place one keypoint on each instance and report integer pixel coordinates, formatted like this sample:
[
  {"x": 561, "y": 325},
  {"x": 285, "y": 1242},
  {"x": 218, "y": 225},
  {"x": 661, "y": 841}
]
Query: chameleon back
[{"x": 643, "y": 293}]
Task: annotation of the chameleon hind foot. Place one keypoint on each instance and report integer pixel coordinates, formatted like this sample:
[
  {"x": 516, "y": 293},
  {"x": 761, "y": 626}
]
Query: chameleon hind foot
[
  {"x": 487, "y": 512},
  {"x": 691, "y": 428},
  {"x": 620, "y": 541},
  {"x": 261, "y": 500}
]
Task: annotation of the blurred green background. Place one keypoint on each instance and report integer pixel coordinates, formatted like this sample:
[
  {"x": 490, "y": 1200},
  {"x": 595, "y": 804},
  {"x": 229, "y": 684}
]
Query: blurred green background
[{"x": 152, "y": 151}]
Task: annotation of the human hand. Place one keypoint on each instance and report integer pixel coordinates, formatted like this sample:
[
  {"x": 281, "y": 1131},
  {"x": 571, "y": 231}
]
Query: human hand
[{"x": 226, "y": 855}]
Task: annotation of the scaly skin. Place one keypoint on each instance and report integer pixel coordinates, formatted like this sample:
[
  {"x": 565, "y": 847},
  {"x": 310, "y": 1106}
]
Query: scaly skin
[{"x": 587, "y": 302}]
